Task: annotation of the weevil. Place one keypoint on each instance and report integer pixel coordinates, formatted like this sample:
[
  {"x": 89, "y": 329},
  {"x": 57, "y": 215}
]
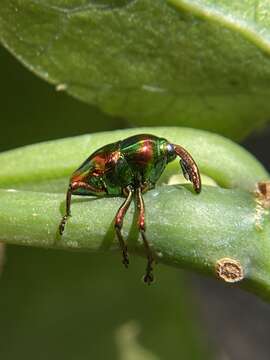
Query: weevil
[{"x": 129, "y": 168}]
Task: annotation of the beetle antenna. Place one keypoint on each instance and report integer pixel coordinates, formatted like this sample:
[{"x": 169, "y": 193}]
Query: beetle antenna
[{"x": 189, "y": 167}]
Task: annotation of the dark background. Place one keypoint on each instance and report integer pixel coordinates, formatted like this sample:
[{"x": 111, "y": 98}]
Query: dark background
[{"x": 44, "y": 294}]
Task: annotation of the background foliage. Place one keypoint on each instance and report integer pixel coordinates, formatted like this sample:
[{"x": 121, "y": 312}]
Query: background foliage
[
  {"x": 69, "y": 305},
  {"x": 196, "y": 63}
]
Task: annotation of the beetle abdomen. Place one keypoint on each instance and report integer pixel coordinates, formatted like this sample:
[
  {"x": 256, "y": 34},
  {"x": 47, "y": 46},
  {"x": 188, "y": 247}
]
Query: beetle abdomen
[
  {"x": 99, "y": 159},
  {"x": 94, "y": 169}
]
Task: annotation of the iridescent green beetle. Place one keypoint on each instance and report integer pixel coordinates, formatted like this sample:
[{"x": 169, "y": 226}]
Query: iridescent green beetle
[{"x": 129, "y": 168}]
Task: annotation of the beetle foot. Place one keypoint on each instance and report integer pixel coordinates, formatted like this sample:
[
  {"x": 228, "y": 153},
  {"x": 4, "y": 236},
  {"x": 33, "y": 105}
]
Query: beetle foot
[
  {"x": 148, "y": 278},
  {"x": 125, "y": 260},
  {"x": 63, "y": 224}
]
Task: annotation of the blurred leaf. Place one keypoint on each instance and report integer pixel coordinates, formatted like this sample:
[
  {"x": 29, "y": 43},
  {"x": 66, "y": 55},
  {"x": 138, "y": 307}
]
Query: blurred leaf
[
  {"x": 63, "y": 305},
  {"x": 200, "y": 64},
  {"x": 27, "y": 103},
  {"x": 185, "y": 229}
]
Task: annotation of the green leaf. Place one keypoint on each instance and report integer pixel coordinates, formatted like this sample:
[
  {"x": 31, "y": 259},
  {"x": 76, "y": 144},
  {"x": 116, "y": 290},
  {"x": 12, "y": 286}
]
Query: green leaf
[
  {"x": 195, "y": 63},
  {"x": 185, "y": 229}
]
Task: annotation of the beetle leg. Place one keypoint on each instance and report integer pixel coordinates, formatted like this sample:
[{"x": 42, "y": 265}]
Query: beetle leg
[
  {"x": 146, "y": 186},
  {"x": 148, "y": 277},
  {"x": 68, "y": 213},
  {"x": 72, "y": 187},
  {"x": 189, "y": 167},
  {"x": 118, "y": 223}
]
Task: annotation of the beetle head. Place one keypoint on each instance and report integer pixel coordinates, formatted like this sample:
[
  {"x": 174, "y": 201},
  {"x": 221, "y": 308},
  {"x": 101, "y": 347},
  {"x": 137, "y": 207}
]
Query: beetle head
[{"x": 188, "y": 165}]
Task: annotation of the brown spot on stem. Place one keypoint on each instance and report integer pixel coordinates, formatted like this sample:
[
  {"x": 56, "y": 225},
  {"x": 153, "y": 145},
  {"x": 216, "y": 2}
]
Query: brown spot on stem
[
  {"x": 262, "y": 198},
  {"x": 263, "y": 193},
  {"x": 229, "y": 270}
]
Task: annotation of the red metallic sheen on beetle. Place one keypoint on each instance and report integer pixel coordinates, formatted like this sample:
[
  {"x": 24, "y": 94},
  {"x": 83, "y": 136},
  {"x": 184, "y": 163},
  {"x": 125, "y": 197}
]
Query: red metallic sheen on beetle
[{"x": 129, "y": 168}]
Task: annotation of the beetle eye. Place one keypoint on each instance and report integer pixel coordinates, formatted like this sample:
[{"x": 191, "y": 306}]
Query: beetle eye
[
  {"x": 170, "y": 149},
  {"x": 170, "y": 152}
]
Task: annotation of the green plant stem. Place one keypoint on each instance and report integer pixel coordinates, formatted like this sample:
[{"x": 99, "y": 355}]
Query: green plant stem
[
  {"x": 184, "y": 229},
  {"x": 219, "y": 158}
]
